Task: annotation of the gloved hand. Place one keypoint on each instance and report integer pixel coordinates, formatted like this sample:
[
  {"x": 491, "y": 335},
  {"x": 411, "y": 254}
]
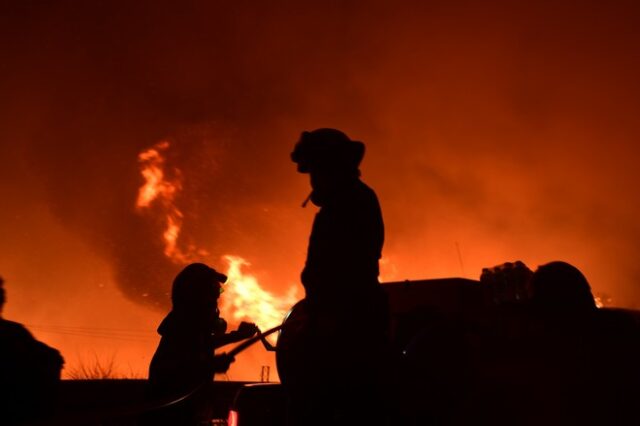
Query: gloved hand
[
  {"x": 222, "y": 362},
  {"x": 246, "y": 330}
]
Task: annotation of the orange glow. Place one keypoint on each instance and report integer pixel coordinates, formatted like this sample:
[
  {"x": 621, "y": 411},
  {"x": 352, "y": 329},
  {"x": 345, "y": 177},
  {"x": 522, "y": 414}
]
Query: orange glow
[
  {"x": 158, "y": 187},
  {"x": 155, "y": 185},
  {"x": 245, "y": 300},
  {"x": 170, "y": 235},
  {"x": 487, "y": 140},
  {"x": 388, "y": 270},
  {"x": 233, "y": 418},
  {"x": 603, "y": 300}
]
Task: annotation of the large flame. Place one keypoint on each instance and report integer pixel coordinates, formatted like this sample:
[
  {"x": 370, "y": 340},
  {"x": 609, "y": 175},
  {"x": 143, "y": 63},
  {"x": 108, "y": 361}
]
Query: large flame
[
  {"x": 158, "y": 189},
  {"x": 244, "y": 299}
]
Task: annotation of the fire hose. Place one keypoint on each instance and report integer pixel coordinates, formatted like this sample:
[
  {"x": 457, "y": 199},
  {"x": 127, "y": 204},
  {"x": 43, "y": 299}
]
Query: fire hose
[{"x": 166, "y": 402}]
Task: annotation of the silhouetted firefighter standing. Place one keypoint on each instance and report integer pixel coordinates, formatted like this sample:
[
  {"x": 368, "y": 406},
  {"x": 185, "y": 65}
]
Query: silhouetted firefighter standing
[{"x": 340, "y": 364}]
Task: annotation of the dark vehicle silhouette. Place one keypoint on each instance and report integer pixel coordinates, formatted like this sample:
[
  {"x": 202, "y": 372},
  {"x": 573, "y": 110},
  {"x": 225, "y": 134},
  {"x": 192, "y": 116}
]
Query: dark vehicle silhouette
[{"x": 464, "y": 353}]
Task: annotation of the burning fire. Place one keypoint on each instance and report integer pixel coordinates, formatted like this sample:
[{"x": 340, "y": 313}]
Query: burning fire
[
  {"x": 152, "y": 171},
  {"x": 161, "y": 191},
  {"x": 602, "y": 300},
  {"x": 244, "y": 298}
]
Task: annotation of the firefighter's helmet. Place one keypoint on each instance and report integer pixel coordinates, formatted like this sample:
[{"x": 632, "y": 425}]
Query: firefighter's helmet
[
  {"x": 327, "y": 149},
  {"x": 195, "y": 284}
]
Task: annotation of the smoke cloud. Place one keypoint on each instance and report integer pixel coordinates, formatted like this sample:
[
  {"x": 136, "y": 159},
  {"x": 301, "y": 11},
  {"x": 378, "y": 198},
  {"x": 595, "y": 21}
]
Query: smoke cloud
[{"x": 494, "y": 132}]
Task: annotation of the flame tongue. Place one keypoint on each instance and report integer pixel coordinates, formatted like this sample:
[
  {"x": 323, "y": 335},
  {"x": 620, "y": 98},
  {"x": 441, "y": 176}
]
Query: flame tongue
[
  {"x": 152, "y": 170},
  {"x": 161, "y": 191},
  {"x": 244, "y": 298}
]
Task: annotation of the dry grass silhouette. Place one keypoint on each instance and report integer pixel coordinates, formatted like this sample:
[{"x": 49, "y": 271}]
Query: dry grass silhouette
[{"x": 99, "y": 369}]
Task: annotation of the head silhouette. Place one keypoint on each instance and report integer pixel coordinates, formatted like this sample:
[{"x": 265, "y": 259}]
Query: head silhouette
[
  {"x": 559, "y": 286},
  {"x": 196, "y": 288},
  {"x": 327, "y": 150}
]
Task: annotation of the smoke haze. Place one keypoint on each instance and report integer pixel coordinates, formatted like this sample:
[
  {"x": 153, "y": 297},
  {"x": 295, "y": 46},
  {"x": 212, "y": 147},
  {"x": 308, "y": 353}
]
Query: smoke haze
[{"x": 494, "y": 132}]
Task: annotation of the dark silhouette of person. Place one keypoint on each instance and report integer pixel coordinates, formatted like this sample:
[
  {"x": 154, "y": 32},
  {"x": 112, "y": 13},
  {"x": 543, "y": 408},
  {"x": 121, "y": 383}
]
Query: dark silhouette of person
[
  {"x": 341, "y": 373},
  {"x": 560, "y": 288},
  {"x": 184, "y": 362},
  {"x": 535, "y": 360},
  {"x": 29, "y": 373},
  {"x": 582, "y": 366}
]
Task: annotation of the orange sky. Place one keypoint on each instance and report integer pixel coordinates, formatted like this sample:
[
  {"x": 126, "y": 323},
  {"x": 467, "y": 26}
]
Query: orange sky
[{"x": 509, "y": 132}]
